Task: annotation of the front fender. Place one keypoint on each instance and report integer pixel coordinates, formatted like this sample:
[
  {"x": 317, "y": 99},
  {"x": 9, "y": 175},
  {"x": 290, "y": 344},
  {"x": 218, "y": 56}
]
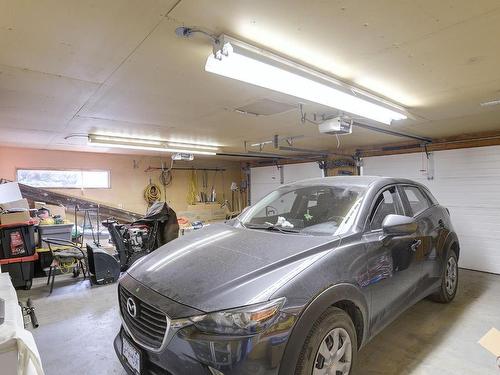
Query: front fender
[{"x": 311, "y": 313}]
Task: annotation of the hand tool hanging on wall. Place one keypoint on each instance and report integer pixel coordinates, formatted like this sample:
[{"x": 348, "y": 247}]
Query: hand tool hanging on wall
[
  {"x": 213, "y": 195},
  {"x": 223, "y": 187},
  {"x": 234, "y": 191},
  {"x": 193, "y": 188},
  {"x": 204, "y": 181}
]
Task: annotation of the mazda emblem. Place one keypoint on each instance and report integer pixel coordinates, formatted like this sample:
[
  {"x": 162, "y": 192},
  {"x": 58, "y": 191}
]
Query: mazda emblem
[{"x": 131, "y": 307}]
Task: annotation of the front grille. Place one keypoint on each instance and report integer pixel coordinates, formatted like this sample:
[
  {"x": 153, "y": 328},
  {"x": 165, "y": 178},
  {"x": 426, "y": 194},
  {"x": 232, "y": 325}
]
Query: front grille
[{"x": 149, "y": 326}]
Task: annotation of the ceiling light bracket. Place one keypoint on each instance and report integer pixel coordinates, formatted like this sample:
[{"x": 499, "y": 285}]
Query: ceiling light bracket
[{"x": 188, "y": 32}]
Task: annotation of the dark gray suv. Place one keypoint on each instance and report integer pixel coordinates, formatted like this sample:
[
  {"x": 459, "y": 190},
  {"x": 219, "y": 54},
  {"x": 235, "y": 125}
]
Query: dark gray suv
[{"x": 296, "y": 285}]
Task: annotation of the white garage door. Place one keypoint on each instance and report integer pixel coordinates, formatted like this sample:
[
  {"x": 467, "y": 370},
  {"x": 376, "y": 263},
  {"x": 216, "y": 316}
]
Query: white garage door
[
  {"x": 263, "y": 180},
  {"x": 467, "y": 181}
]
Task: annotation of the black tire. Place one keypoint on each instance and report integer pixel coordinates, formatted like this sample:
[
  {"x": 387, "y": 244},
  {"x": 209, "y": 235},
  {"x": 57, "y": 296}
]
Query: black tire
[
  {"x": 332, "y": 319},
  {"x": 445, "y": 294}
]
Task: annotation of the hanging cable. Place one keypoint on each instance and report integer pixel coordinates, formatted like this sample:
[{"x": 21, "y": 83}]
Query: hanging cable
[
  {"x": 166, "y": 177},
  {"x": 338, "y": 140}
]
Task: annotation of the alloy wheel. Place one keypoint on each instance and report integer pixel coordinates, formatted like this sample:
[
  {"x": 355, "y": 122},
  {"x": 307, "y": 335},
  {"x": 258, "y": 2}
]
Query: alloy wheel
[
  {"x": 334, "y": 355},
  {"x": 451, "y": 276}
]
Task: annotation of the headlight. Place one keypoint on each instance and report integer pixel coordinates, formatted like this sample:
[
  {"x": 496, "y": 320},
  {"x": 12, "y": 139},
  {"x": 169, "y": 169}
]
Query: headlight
[{"x": 245, "y": 320}]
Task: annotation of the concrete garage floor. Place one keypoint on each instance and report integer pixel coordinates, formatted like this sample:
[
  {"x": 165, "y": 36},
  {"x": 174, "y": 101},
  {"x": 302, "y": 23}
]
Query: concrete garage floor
[{"x": 78, "y": 325}]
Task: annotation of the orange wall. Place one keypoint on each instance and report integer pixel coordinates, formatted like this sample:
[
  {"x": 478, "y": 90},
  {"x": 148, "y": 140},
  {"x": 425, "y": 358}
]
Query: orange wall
[{"x": 127, "y": 182}]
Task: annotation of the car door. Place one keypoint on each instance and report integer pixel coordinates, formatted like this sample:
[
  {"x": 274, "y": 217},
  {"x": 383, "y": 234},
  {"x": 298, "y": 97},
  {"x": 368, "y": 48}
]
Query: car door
[
  {"x": 392, "y": 268},
  {"x": 429, "y": 233}
]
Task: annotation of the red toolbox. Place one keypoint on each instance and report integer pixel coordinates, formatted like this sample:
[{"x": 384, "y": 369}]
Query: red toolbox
[{"x": 17, "y": 240}]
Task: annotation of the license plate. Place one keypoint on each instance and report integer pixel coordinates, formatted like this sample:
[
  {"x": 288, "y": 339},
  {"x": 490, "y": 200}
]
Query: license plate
[{"x": 131, "y": 355}]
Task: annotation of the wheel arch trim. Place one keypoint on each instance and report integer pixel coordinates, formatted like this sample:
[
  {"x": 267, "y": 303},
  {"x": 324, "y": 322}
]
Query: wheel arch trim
[
  {"x": 451, "y": 239},
  {"x": 322, "y": 301}
]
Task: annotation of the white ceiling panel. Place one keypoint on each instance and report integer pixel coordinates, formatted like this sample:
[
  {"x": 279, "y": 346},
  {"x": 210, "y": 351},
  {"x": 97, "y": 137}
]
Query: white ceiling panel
[
  {"x": 83, "y": 39},
  {"x": 34, "y": 100},
  {"x": 117, "y": 66},
  {"x": 25, "y": 137}
]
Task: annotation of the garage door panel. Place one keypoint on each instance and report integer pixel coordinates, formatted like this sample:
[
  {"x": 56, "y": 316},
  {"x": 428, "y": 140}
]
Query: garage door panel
[
  {"x": 476, "y": 228},
  {"x": 468, "y": 163},
  {"x": 467, "y": 182},
  {"x": 263, "y": 180},
  {"x": 468, "y": 192},
  {"x": 482, "y": 254},
  {"x": 302, "y": 171},
  {"x": 408, "y": 165},
  {"x": 468, "y": 172}
]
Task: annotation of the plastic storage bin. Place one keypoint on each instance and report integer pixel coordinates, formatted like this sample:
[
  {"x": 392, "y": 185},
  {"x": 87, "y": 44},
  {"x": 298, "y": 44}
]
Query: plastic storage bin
[
  {"x": 59, "y": 231},
  {"x": 21, "y": 270}
]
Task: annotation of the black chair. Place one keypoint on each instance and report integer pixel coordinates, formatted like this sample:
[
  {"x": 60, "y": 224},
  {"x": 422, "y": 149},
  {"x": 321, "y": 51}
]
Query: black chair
[{"x": 71, "y": 256}]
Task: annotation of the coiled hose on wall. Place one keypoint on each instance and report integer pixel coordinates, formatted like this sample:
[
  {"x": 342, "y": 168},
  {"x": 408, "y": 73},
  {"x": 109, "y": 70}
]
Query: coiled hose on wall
[{"x": 152, "y": 193}]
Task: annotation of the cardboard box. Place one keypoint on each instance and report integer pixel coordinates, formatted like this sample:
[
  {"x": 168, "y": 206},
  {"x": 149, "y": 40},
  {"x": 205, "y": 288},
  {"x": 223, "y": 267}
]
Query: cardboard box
[
  {"x": 21, "y": 204},
  {"x": 14, "y": 217},
  {"x": 491, "y": 342}
]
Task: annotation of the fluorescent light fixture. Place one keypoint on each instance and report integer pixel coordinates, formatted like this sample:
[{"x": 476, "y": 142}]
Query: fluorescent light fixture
[
  {"x": 97, "y": 140},
  {"x": 243, "y": 62},
  {"x": 192, "y": 145},
  {"x": 490, "y": 103},
  {"x": 110, "y": 138}
]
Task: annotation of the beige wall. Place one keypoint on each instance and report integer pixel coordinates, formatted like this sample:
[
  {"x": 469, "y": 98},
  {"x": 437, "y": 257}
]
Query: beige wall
[{"x": 127, "y": 182}]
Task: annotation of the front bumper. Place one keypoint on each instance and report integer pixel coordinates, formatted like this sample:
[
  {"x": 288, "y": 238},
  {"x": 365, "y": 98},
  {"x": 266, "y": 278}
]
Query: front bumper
[
  {"x": 190, "y": 351},
  {"x": 193, "y": 352}
]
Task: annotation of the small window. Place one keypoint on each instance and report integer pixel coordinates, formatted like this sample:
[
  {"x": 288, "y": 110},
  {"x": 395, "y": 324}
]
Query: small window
[
  {"x": 72, "y": 179},
  {"x": 384, "y": 205},
  {"x": 418, "y": 201}
]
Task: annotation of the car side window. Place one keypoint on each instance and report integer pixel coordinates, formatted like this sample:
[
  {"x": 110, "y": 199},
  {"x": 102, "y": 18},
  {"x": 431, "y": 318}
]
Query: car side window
[
  {"x": 417, "y": 199},
  {"x": 385, "y": 204}
]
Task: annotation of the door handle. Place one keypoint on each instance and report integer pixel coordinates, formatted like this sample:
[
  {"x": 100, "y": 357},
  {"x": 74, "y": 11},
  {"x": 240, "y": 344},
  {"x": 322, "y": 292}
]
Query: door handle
[{"x": 414, "y": 246}]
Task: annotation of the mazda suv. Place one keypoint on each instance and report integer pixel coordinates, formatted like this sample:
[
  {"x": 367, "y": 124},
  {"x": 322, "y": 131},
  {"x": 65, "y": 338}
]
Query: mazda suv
[{"x": 297, "y": 284}]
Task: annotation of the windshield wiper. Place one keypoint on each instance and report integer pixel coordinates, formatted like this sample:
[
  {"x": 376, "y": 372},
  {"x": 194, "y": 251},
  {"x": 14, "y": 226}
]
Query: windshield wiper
[{"x": 269, "y": 226}]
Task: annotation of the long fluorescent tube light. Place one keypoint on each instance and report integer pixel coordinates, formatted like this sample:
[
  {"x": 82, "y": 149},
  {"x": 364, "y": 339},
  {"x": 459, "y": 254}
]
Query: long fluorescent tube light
[
  {"x": 490, "y": 103},
  {"x": 126, "y": 143},
  {"x": 137, "y": 147},
  {"x": 192, "y": 145},
  {"x": 243, "y": 62},
  {"x": 110, "y": 138}
]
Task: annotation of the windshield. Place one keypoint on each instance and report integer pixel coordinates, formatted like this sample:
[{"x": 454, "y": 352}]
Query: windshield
[{"x": 318, "y": 210}]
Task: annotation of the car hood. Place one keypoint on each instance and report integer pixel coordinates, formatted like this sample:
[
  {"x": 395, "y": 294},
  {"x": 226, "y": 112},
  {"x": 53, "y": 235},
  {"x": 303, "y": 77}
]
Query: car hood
[{"x": 221, "y": 266}]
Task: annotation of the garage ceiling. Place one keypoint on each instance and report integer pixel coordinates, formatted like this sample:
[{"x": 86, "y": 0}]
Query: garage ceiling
[{"x": 117, "y": 67}]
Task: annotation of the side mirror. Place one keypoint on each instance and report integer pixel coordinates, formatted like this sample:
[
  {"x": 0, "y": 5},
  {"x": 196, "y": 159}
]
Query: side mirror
[{"x": 399, "y": 225}]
